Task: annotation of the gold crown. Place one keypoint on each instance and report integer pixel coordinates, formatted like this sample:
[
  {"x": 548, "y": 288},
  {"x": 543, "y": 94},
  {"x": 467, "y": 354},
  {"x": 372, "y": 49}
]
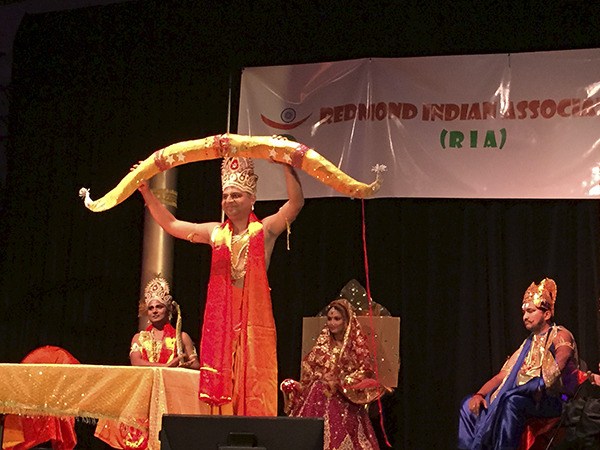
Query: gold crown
[
  {"x": 542, "y": 295},
  {"x": 158, "y": 289},
  {"x": 239, "y": 173}
]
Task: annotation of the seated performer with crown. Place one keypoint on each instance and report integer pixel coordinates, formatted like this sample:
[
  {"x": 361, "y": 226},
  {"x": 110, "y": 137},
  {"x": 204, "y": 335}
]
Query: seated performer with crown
[
  {"x": 337, "y": 380},
  {"x": 238, "y": 361},
  {"x": 158, "y": 345},
  {"x": 534, "y": 382}
]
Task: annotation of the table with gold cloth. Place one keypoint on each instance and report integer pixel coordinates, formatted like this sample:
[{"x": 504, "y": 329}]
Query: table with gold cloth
[{"x": 121, "y": 393}]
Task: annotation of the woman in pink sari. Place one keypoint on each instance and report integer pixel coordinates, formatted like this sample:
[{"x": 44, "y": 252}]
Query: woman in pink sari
[{"x": 337, "y": 382}]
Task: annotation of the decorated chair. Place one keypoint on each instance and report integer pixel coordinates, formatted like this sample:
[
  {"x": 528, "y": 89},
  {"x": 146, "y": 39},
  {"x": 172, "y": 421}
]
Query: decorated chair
[
  {"x": 542, "y": 433},
  {"x": 21, "y": 432}
]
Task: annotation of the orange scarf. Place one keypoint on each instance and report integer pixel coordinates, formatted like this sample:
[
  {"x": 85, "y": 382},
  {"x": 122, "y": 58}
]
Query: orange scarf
[{"x": 256, "y": 358}]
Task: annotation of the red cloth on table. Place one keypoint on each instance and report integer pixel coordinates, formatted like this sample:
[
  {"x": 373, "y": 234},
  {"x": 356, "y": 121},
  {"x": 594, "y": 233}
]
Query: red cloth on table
[{"x": 60, "y": 432}]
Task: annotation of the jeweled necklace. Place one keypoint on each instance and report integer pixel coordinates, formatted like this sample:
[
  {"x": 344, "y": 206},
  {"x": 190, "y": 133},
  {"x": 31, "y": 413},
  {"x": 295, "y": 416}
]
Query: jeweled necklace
[
  {"x": 155, "y": 347},
  {"x": 239, "y": 254}
]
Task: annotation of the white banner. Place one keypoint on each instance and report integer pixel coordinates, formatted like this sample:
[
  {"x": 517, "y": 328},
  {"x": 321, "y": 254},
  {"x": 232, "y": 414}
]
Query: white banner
[{"x": 481, "y": 126}]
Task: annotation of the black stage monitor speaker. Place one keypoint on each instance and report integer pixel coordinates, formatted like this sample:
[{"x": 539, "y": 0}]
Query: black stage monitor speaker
[{"x": 189, "y": 432}]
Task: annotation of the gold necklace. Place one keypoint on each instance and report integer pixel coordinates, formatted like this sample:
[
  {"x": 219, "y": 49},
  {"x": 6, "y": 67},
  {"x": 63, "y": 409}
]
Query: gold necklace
[
  {"x": 156, "y": 348},
  {"x": 239, "y": 254},
  {"x": 235, "y": 238}
]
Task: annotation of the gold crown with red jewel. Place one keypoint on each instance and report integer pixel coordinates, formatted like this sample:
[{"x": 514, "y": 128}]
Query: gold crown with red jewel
[{"x": 239, "y": 173}]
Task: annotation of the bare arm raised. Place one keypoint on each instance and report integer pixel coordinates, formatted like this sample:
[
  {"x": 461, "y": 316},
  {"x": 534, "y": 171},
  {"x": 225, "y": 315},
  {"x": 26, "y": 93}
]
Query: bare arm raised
[
  {"x": 195, "y": 232},
  {"x": 275, "y": 224}
]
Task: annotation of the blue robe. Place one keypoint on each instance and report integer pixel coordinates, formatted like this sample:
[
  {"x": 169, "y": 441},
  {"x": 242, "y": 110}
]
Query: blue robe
[{"x": 501, "y": 425}]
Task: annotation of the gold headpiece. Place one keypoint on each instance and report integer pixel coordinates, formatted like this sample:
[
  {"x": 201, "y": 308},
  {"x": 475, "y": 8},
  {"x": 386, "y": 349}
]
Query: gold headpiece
[
  {"x": 158, "y": 289},
  {"x": 543, "y": 295},
  {"x": 238, "y": 172}
]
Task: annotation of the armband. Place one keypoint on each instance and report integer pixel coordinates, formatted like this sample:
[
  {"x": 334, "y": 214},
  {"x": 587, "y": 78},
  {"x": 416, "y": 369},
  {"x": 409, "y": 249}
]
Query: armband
[{"x": 135, "y": 347}]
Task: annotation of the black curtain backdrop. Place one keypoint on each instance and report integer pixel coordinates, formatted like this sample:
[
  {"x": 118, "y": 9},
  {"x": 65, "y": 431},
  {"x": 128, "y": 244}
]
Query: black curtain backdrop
[{"x": 97, "y": 89}]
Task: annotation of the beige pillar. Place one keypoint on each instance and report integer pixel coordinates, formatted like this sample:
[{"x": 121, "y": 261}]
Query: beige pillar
[{"x": 157, "y": 252}]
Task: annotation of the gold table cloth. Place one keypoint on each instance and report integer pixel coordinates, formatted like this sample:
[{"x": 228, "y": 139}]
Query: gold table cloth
[{"x": 121, "y": 393}]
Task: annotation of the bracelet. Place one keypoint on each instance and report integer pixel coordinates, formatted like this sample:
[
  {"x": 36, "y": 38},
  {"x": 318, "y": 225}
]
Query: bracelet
[{"x": 480, "y": 394}]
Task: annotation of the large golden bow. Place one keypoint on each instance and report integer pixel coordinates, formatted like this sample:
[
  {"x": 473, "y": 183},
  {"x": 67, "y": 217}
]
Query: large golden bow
[{"x": 220, "y": 146}]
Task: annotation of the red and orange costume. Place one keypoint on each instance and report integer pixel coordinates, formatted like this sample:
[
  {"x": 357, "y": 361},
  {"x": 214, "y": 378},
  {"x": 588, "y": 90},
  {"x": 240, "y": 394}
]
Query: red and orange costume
[{"x": 238, "y": 356}]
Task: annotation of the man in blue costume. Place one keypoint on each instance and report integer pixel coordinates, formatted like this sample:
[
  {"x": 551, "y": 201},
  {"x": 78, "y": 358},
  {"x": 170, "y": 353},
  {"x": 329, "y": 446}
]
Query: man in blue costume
[{"x": 534, "y": 381}]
